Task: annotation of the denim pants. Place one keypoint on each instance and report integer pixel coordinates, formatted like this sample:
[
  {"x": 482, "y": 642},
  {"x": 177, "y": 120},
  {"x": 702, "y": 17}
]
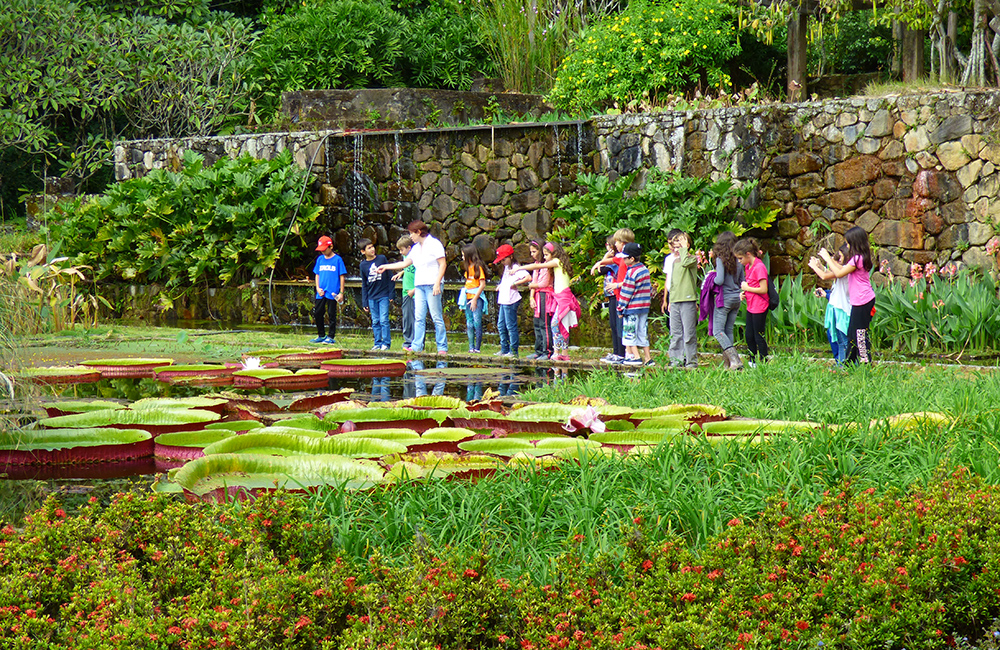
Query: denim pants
[
  {"x": 379, "y": 310},
  {"x": 723, "y": 322},
  {"x": 424, "y": 300},
  {"x": 510, "y": 338},
  {"x": 474, "y": 324}
]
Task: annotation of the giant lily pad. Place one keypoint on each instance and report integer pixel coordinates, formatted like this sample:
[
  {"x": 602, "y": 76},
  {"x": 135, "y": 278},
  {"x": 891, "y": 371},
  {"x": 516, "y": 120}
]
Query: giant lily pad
[
  {"x": 377, "y": 418},
  {"x": 510, "y": 446},
  {"x": 193, "y": 370},
  {"x": 286, "y": 444},
  {"x": 435, "y": 464},
  {"x": 429, "y": 402},
  {"x": 324, "y": 354},
  {"x": 756, "y": 427},
  {"x": 126, "y": 367},
  {"x": 235, "y": 425},
  {"x": 219, "y": 475},
  {"x": 187, "y": 445},
  {"x": 69, "y": 446},
  {"x": 364, "y": 367},
  {"x": 255, "y": 377},
  {"x": 685, "y": 410},
  {"x": 214, "y": 404},
  {"x": 155, "y": 421},
  {"x": 67, "y": 407},
  {"x": 678, "y": 421},
  {"x": 61, "y": 375},
  {"x": 304, "y": 379}
]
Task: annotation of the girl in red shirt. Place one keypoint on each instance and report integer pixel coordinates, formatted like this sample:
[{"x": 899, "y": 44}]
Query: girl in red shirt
[{"x": 754, "y": 291}]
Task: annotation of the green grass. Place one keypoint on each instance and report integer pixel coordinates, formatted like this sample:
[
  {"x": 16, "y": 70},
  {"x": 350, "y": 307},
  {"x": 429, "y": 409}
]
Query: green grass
[{"x": 527, "y": 518}]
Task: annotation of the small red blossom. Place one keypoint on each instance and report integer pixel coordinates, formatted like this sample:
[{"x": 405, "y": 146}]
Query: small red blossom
[
  {"x": 734, "y": 522},
  {"x": 802, "y": 625},
  {"x": 60, "y": 513},
  {"x": 470, "y": 573},
  {"x": 647, "y": 565},
  {"x": 689, "y": 597},
  {"x": 901, "y": 570}
]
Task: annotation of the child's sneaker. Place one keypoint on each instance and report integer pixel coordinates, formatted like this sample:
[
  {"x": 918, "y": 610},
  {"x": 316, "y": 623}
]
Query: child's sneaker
[
  {"x": 318, "y": 339},
  {"x": 329, "y": 340},
  {"x": 407, "y": 348},
  {"x": 531, "y": 357},
  {"x": 649, "y": 364},
  {"x": 632, "y": 361}
]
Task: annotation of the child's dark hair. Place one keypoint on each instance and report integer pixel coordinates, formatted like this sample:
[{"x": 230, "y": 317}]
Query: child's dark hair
[
  {"x": 609, "y": 241},
  {"x": 857, "y": 241},
  {"x": 364, "y": 243},
  {"x": 723, "y": 250},
  {"x": 558, "y": 253},
  {"x": 471, "y": 258},
  {"x": 537, "y": 255},
  {"x": 673, "y": 233},
  {"x": 745, "y": 246}
]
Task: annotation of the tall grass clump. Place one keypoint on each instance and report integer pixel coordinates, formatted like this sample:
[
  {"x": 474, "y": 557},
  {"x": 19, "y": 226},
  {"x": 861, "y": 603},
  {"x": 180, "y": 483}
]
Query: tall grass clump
[{"x": 528, "y": 40}]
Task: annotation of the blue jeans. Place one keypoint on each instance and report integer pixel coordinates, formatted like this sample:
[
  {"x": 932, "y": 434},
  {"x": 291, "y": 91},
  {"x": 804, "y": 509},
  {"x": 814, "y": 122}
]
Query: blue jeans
[
  {"x": 474, "y": 324},
  {"x": 379, "y": 310},
  {"x": 424, "y": 299},
  {"x": 510, "y": 338}
]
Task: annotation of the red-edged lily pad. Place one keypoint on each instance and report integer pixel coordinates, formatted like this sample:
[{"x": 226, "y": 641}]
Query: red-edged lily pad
[
  {"x": 364, "y": 367},
  {"x": 117, "y": 368},
  {"x": 72, "y": 446},
  {"x": 62, "y": 375}
]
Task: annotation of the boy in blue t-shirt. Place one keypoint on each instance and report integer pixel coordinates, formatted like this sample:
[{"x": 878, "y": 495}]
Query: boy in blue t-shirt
[{"x": 330, "y": 271}]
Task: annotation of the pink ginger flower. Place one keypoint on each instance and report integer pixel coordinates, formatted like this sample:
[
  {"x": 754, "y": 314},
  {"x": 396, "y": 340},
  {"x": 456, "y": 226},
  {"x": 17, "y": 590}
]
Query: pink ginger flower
[
  {"x": 930, "y": 270},
  {"x": 916, "y": 271},
  {"x": 993, "y": 245}
]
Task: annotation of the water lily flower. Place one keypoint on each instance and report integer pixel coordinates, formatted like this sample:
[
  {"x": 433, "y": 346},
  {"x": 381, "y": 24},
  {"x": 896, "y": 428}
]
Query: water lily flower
[
  {"x": 250, "y": 363},
  {"x": 584, "y": 418}
]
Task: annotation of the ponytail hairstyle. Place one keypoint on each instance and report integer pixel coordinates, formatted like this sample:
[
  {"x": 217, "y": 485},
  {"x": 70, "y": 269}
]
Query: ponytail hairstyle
[
  {"x": 857, "y": 240},
  {"x": 723, "y": 250},
  {"x": 561, "y": 255},
  {"x": 472, "y": 259},
  {"x": 747, "y": 245}
]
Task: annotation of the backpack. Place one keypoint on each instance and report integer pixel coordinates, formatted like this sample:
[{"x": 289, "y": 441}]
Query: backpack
[{"x": 772, "y": 295}]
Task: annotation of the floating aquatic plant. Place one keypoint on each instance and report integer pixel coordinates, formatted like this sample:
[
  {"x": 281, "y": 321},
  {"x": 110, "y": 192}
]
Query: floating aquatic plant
[{"x": 69, "y": 446}]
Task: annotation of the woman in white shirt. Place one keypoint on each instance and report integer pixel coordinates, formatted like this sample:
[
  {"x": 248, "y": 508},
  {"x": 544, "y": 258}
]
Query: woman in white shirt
[{"x": 427, "y": 257}]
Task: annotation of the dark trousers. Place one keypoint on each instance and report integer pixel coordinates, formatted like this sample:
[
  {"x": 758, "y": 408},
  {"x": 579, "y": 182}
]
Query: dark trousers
[
  {"x": 543, "y": 333},
  {"x": 858, "y": 342},
  {"x": 407, "y": 320},
  {"x": 329, "y": 305},
  {"x": 756, "y": 345},
  {"x": 615, "y": 320}
]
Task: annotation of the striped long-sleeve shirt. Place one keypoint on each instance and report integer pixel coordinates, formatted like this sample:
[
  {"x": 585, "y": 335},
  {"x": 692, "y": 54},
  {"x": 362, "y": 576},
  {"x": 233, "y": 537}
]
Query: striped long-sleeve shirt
[{"x": 636, "y": 290}]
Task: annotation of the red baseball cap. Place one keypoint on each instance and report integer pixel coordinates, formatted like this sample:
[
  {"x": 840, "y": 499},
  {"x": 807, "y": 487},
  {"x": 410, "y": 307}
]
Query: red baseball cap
[
  {"x": 504, "y": 251},
  {"x": 324, "y": 243}
]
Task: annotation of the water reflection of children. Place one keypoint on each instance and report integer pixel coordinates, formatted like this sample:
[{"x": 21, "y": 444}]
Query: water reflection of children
[{"x": 380, "y": 389}]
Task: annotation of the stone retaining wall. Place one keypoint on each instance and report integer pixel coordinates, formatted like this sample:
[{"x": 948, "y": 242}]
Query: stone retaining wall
[{"x": 920, "y": 173}]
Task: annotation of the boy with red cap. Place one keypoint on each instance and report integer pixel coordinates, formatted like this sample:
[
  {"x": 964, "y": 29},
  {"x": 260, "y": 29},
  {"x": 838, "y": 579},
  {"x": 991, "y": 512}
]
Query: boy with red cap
[
  {"x": 330, "y": 271},
  {"x": 508, "y": 297}
]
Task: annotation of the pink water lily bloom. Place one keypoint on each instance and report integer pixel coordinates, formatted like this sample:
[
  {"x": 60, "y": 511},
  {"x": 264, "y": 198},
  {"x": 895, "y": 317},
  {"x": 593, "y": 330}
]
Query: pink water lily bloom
[{"x": 584, "y": 418}]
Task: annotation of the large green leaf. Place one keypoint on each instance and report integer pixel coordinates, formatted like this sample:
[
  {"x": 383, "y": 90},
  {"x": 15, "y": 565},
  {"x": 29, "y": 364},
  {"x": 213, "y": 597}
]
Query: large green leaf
[
  {"x": 678, "y": 422},
  {"x": 431, "y": 401},
  {"x": 149, "y": 416},
  {"x": 209, "y": 473},
  {"x": 52, "y": 439},
  {"x": 83, "y": 406},
  {"x": 685, "y": 410},
  {"x": 199, "y": 439},
  {"x": 267, "y": 442},
  {"x": 447, "y": 434},
  {"x": 336, "y": 416},
  {"x": 125, "y": 363},
  {"x": 637, "y": 437},
  {"x": 750, "y": 427},
  {"x": 236, "y": 425},
  {"x": 177, "y": 403}
]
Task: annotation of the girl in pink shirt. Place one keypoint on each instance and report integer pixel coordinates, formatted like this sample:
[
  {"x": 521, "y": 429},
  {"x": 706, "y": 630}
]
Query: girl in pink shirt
[
  {"x": 754, "y": 291},
  {"x": 859, "y": 289}
]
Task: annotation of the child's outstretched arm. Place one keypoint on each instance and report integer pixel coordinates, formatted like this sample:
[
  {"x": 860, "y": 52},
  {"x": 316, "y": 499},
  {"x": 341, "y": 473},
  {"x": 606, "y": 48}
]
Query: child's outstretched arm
[{"x": 839, "y": 270}]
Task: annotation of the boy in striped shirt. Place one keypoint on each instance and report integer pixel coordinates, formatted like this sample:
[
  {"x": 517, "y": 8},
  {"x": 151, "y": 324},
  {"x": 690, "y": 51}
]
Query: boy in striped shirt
[{"x": 633, "y": 303}]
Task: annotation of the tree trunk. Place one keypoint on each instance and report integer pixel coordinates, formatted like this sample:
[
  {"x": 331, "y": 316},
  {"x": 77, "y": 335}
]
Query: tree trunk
[
  {"x": 912, "y": 54},
  {"x": 797, "y": 56}
]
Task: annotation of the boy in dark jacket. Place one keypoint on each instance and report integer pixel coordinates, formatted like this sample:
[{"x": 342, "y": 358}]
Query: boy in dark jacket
[{"x": 376, "y": 293}]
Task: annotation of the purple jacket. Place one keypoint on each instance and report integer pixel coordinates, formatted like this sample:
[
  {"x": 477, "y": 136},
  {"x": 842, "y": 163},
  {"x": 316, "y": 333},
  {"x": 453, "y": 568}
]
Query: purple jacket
[{"x": 711, "y": 297}]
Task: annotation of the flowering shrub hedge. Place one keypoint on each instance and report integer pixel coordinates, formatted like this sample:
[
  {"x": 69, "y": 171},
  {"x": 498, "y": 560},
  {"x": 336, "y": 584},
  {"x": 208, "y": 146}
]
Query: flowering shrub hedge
[
  {"x": 653, "y": 46},
  {"x": 861, "y": 570}
]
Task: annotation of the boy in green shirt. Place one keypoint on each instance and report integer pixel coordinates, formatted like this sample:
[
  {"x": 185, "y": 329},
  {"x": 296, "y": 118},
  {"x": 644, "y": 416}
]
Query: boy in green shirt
[
  {"x": 683, "y": 295},
  {"x": 409, "y": 276}
]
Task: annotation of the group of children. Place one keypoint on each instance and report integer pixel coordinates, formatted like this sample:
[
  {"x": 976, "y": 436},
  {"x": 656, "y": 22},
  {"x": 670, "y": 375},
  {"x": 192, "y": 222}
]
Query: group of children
[{"x": 737, "y": 275}]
